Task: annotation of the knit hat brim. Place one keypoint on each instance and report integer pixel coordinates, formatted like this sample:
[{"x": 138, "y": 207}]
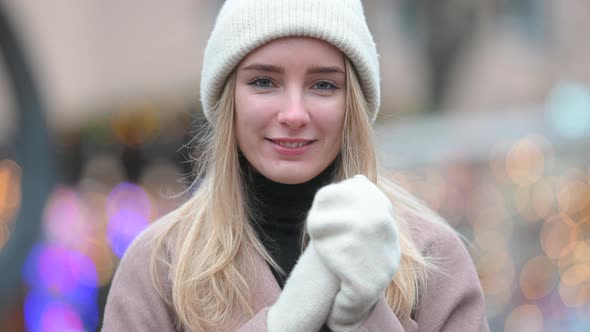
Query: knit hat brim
[{"x": 244, "y": 25}]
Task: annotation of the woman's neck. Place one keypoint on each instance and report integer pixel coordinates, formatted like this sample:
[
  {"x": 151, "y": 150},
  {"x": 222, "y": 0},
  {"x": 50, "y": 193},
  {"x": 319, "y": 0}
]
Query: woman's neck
[{"x": 278, "y": 211}]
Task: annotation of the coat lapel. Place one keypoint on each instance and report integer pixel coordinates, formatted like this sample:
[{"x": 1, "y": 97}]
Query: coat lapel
[{"x": 264, "y": 289}]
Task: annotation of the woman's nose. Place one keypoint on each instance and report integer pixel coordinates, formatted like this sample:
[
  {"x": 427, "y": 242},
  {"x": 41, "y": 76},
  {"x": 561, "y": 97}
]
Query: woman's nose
[{"x": 294, "y": 112}]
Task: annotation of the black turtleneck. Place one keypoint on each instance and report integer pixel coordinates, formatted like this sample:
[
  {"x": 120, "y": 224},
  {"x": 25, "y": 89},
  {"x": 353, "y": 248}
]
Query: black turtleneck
[{"x": 279, "y": 212}]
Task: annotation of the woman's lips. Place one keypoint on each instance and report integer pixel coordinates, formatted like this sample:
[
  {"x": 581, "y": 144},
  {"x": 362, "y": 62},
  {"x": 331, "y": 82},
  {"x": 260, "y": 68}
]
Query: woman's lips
[{"x": 291, "y": 146}]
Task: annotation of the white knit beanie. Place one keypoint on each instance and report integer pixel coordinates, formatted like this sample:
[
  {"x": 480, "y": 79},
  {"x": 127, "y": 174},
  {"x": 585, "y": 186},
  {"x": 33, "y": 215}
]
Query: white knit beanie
[{"x": 244, "y": 25}]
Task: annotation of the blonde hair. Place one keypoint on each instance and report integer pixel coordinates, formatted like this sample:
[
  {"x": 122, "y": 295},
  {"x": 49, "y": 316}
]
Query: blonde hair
[{"x": 200, "y": 246}]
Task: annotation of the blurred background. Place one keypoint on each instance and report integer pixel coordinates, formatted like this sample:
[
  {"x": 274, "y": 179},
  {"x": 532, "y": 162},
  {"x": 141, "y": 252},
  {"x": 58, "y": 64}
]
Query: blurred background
[{"x": 485, "y": 116}]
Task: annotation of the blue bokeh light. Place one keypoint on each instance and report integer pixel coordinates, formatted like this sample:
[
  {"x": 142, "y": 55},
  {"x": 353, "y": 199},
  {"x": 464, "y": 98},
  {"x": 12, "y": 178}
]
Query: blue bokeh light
[
  {"x": 122, "y": 229},
  {"x": 45, "y": 312},
  {"x": 568, "y": 110},
  {"x": 129, "y": 209},
  {"x": 63, "y": 290},
  {"x": 129, "y": 196},
  {"x": 59, "y": 316}
]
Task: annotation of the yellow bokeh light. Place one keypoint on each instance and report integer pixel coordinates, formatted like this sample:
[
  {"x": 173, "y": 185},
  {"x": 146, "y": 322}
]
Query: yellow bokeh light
[
  {"x": 574, "y": 296},
  {"x": 576, "y": 274},
  {"x": 577, "y": 253},
  {"x": 10, "y": 196},
  {"x": 556, "y": 235},
  {"x": 525, "y": 161},
  {"x": 136, "y": 124},
  {"x": 581, "y": 251},
  {"x": 527, "y": 317},
  {"x": 538, "y": 277},
  {"x": 10, "y": 173},
  {"x": 574, "y": 192}
]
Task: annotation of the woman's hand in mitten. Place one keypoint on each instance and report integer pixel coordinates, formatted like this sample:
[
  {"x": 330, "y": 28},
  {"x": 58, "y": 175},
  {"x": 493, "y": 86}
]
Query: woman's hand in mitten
[
  {"x": 306, "y": 299},
  {"x": 352, "y": 228}
]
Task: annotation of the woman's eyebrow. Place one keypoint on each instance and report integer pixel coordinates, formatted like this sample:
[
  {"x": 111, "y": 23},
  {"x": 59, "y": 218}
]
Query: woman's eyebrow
[
  {"x": 267, "y": 68},
  {"x": 325, "y": 70}
]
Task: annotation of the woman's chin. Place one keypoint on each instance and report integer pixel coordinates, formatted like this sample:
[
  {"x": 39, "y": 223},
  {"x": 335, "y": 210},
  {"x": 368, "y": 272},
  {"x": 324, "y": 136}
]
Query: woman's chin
[
  {"x": 290, "y": 175},
  {"x": 290, "y": 178}
]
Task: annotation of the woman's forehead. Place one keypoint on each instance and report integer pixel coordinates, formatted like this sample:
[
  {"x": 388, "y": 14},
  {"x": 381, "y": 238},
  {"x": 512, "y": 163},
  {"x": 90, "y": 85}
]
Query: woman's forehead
[{"x": 299, "y": 49}]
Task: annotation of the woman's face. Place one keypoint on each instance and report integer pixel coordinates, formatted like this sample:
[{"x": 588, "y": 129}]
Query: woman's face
[{"x": 289, "y": 112}]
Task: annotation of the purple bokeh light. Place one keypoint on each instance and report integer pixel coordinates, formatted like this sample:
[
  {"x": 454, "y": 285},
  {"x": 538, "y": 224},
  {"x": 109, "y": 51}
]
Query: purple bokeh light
[
  {"x": 129, "y": 209},
  {"x": 129, "y": 196},
  {"x": 45, "y": 312},
  {"x": 65, "y": 272},
  {"x": 65, "y": 219},
  {"x": 122, "y": 229},
  {"x": 59, "y": 316},
  {"x": 62, "y": 290}
]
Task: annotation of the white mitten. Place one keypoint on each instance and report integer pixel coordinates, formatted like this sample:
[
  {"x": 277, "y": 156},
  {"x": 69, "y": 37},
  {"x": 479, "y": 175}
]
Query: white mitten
[
  {"x": 306, "y": 299},
  {"x": 352, "y": 228}
]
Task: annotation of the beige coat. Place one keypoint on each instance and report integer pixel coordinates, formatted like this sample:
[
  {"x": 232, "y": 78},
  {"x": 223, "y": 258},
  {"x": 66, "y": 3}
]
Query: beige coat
[{"x": 452, "y": 301}]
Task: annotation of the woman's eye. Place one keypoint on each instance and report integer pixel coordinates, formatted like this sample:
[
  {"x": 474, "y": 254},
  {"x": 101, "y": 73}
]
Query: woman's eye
[
  {"x": 262, "y": 83},
  {"x": 325, "y": 85}
]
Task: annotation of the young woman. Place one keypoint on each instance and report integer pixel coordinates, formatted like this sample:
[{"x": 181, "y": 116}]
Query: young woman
[{"x": 291, "y": 226}]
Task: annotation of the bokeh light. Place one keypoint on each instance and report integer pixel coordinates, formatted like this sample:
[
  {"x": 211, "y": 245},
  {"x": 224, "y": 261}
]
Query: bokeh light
[
  {"x": 10, "y": 195},
  {"x": 131, "y": 197},
  {"x": 97, "y": 247},
  {"x": 576, "y": 253},
  {"x": 58, "y": 316},
  {"x": 61, "y": 271},
  {"x": 66, "y": 219},
  {"x": 538, "y": 277},
  {"x": 123, "y": 227},
  {"x": 543, "y": 200},
  {"x": 525, "y": 318},
  {"x": 574, "y": 296},
  {"x": 568, "y": 109},
  {"x": 129, "y": 210},
  {"x": 574, "y": 192},
  {"x": 136, "y": 124},
  {"x": 576, "y": 274},
  {"x": 525, "y": 160},
  {"x": 63, "y": 290},
  {"x": 556, "y": 234}
]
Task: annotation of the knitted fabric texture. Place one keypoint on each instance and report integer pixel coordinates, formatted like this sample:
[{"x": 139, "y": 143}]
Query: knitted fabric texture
[
  {"x": 351, "y": 225},
  {"x": 244, "y": 25}
]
